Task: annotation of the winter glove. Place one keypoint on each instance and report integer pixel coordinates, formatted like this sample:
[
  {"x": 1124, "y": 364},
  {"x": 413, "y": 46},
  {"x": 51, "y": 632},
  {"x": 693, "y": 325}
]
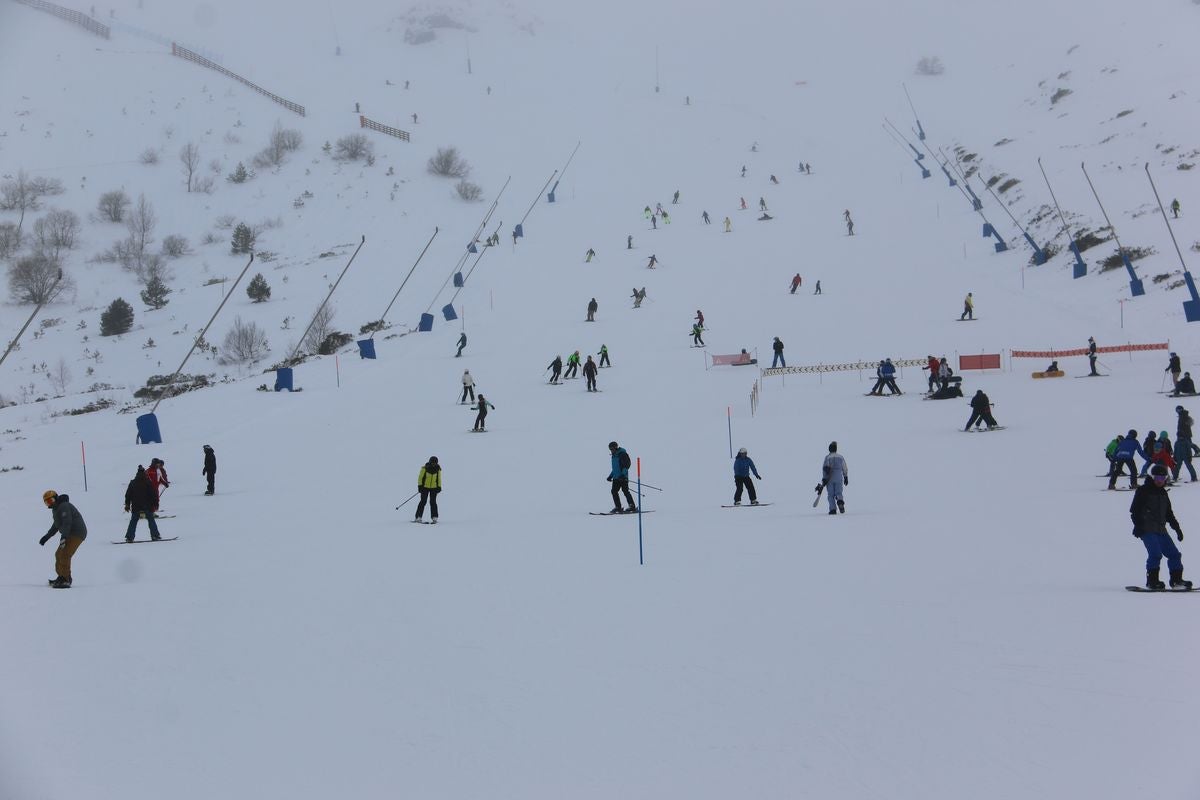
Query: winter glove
[
  {"x": 126, "y": 508},
  {"x": 609, "y": 478},
  {"x": 846, "y": 481},
  {"x": 1179, "y": 533},
  {"x": 1137, "y": 534},
  {"x": 42, "y": 541},
  {"x": 824, "y": 482},
  {"x": 819, "y": 487}
]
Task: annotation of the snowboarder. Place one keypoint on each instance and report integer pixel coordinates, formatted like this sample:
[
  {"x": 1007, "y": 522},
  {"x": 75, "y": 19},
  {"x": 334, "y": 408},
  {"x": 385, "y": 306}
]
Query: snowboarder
[
  {"x": 468, "y": 387},
  {"x": 834, "y": 475},
  {"x": 728, "y": 225},
  {"x": 210, "y": 469},
  {"x": 140, "y": 499},
  {"x": 1091, "y": 354},
  {"x": 555, "y": 369},
  {"x": 697, "y": 341},
  {"x": 1185, "y": 386},
  {"x": 589, "y": 373},
  {"x": 68, "y": 523},
  {"x": 1185, "y": 450},
  {"x": 1174, "y": 368},
  {"x": 481, "y": 405},
  {"x": 743, "y": 202},
  {"x": 849, "y": 222},
  {"x": 1123, "y": 456},
  {"x": 968, "y": 308},
  {"x": 981, "y": 409},
  {"x": 587, "y": 258},
  {"x": 157, "y": 473},
  {"x": 704, "y": 216},
  {"x": 572, "y": 365},
  {"x": 462, "y": 342},
  {"x": 1151, "y": 513},
  {"x": 629, "y": 242},
  {"x": 1175, "y": 207},
  {"x": 604, "y": 362},
  {"x": 592, "y": 307},
  {"x": 765, "y": 216},
  {"x": 796, "y": 281},
  {"x": 619, "y": 476},
  {"x": 777, "y": 346},
  {"x": 743, "y": 465},
  {"x": 429, "y": 484},
  {"x": 675, "y": 199},
  {"x": 818, "y": 289},
  {"x": 653, "y": 260}
]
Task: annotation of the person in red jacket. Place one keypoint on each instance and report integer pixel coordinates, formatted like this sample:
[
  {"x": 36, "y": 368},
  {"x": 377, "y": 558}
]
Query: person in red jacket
[
  {"x": 157, "y": 473},
  {"x": 933, "y": 365}
]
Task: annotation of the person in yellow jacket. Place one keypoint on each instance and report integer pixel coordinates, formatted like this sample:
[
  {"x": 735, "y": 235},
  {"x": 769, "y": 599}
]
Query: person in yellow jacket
[
  {"x": 429, "y": 484},
  {"x": 968, "y": 308}
]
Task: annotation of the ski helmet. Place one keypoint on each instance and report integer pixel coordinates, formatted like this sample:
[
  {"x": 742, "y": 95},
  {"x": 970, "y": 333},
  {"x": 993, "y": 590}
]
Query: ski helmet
[
  {"x": 49, "y": 496},
  {"x": 833, "y": 447},
  {"x": 742, "y": 451}
]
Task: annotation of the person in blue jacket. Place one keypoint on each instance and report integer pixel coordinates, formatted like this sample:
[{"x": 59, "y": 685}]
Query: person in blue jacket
[
  {"x": 886, "y": 376},
  {"x": 743, "y": 465},
  {"x": 1124, "y": 455},
  {"x": 618, "y": 475}
]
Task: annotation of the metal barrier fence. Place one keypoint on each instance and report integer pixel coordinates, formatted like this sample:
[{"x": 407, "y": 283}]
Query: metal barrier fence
[
  {"x": 70, "y": 15},
  {"x": 846, "y": 367},
  {"x": 371, "y": 124},
  {"x": 1082, "y": 351},
  {"x": 184, "y": 53}
]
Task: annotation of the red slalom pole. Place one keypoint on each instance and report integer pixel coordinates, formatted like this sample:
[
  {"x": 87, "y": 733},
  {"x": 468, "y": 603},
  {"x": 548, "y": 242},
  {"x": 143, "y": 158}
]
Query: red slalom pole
[{"x": 83, "y": 457}]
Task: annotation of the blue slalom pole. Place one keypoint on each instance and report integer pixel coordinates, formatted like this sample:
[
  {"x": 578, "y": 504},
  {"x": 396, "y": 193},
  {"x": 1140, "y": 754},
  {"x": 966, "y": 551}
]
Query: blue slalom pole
[
  {"x": 729, "y": 424},
  {"x": 641, "y": 559}
]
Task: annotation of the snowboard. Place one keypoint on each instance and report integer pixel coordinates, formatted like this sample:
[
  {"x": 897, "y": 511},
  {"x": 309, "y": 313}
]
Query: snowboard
[
  {"x": 973, "y": 319},
  {"x": 476, "y": 430},
  {"x": 890, "y": 394},
  {"x": 747, "y": 505},
  {"x": 984, "y": 430},
  {"x": 158, "y": 516},
  {"x": 144, "y": 541},
  {"x": 424, "y": 522},
  {"x": 1158, "y": 591},
  {"x": 619, "y": 513}
]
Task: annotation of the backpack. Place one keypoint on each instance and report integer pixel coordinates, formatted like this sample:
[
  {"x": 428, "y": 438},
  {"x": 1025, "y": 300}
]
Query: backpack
[{"x": 623, "y": 460}]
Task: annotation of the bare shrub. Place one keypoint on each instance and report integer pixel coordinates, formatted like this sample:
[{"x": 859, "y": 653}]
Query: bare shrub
[
  {"x": 112, "y": 205},
  {"x": 189, "y": 160},
  {"x": 448, "y": 163},
  {"x": 149, "y": 156},
  {"x": 55, "y": 232},
  {"x": 468, "y": 191},
  {"x": 175, "y": 246},
  {"x": 225, "y": 222},
  {"x": 36, "y": 279},
  {"x": 205, "y": 184},
  {"x": 245, "y": 343},
  {"x": 287, "y": 139},
  {"x": 24, "y": 193},
  {"x": 930, "y": 65},
  {"x": 59, "y": 377},
  {"x": 353, "y": 147},
  {"x": 10, "y": 239},
  {"x": 320, "y": 329},
  {"x": 214, "y": 166},
  {"x": 210, "y": 237}
]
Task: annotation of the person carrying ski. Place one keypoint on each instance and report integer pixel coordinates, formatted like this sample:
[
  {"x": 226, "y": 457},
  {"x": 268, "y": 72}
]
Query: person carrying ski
[
  {"x": 555, "y": 369},
  {"x": 981, "y": 409},
  {"x": 462, "y": 342},
  {"x": 777, "y": 346},
  {"x": 1175, "y": 207},
  {"x": 743, "y": 465},
  {"x": 604, "y": 362},
  {"x": 210, "y": 469},
  {"x": 618, "y": 475},
  {"x": 68, "y": 523},
  {"x": 1151, "y": 513},
  {"x": 1123, "y": 456},
  {"x": 796, "y": 281},
  {"x": 704, "y": 216},
  {"x": 968, "y": 308},
  {"x": 834, "y": 476},
  {"x": 140, "y": 499},
  {"x": 572, "y": 365},
  {"x": 1185, "y": 386},
  {"x": 157, "y": 473},
  {"x": 481, "y": 405},
  {"x": 1091, "y": 354},
  {"x": 1174, "y": 368},
  {"x": 429, "y": 484},
  {"x": 589, "y": 256},
  {"x": 468, "y": 387},
  {"x": 589, "y": 373},
  {"x": 592, "y": 307},
  {"x": 697, "y": 341}
]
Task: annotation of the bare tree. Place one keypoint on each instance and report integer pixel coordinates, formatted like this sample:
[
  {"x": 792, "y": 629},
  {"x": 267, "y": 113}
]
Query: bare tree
[
  {"x": 141, "y": 223},
  {"x": 10, "y": 239},
  {"x": 24, "y": 193},
  {"x": 112, "y": 205},
  {"x": 244, "y": 343},
  {"x": 447, "y": 162},
  {"x": 321, "y": 327},
  {"x": 282, "y": 141},
  {"x": 55, "y": 232},
  {"x": 59, "y": 377},
  {"x": 36, "y": 279},
  {"x": 354, "y": 147},
  {"x": 189, "y": 157}
]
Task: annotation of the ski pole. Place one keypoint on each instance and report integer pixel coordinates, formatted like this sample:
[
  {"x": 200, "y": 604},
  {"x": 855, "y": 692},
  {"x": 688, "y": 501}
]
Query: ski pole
[
  {"x": 1164, "y": 383},
  {"x": 648, "y": 486},
  {"x": 410, "y": 497}
]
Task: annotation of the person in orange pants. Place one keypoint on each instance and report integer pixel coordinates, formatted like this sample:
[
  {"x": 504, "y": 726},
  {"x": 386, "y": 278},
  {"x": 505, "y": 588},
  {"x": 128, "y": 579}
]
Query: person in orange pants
[{"x": 68, "y": 523}]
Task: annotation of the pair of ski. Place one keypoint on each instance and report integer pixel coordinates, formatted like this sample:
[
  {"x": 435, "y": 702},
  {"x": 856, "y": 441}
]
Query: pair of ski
[
  {"x": 148, "y": 541},
  {"x": 984, "y": 430},
  {"x": 620, "y": 513}
]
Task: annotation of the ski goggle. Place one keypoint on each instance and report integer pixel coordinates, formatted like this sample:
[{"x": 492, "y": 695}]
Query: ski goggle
[{"x": 1159, "y": 479}]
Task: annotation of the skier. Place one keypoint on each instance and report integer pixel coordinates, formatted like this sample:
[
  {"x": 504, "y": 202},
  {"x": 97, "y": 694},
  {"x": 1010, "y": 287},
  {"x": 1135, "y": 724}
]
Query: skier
[
  {"x": 462, "y": 342},
  {"x": 932, "y": 364},
  {"x": 743, "y": 201},
  {"x": 572, "y": 365},
  {"x": 762, "y": 204},
  {"x": 697, "y": 341},
  {"x": 1185, "y": 386},
  {"x": 834, "y": 475},
  {"x": 885, "y": 375},
  {"x": 1091, "y": 353},
  {"x": 68, "y": 523},
  {"x": 468, "y": 387},
  {"x": 743, "y": 170},
  {"x": 1123, "y": 456},
  {"x": 140, "y": 499},
  {"x": 637, "y": 298},
  {"x": 514, "y": 235},
  {"x": 658, "y": 209},
  {"x": 777, "y": 346},
  {"x": 1161, "y": 454},
  {"x": 728, "y": 225},
  {"x": 968, "y": 308},
  {"x": 654, "y": 222},
  {"x": 675, "y": 199},
  {"x": 1175, "y": 207},
  {"x": 704, "y": 216},
  {"x": 743, "y": 465},
  {"x": 157, "y": 473},
  {"x": 592, "y": 307},
  {"x": 1151, "y": 513},
  {"x": 981, "y": 409},
  {"x": 653, "y": 260},
  {"x": 1185, "y": 450},
  {"x": 589, "y": 255},
  {"x": 1174, "y": 368},
  {"x": 796, "y": 281},
  {"x": 818, "y": 289},
  {"x": 629, "y": 242},
  {"x": 849, "y": 222},
  {"x": 604, "y": 362},
  {"x": 429, "y": 484},
  {"x": 210, "y": 469},
  {"x": 619, "y": 476},
  {"x": 807, "y": 168},
  {"x": 774, "y": 180},
  {"x": 1110, "y": 452},
  {"x": 1148, "y": 448},
  {"x": 482, "y": 405},
  {"x": 666, "y": 218},
  {"x": 589, "y": 373},
  {"x": 646, "y": 212},
  {"x": 556, "y": 369}
]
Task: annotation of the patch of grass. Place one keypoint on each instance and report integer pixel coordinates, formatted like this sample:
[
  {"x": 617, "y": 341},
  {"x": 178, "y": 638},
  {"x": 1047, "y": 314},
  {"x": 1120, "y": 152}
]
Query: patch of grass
[
  {"x": 1134, "y": 253},
  {"x": 1087, "y": 240},
  {"x": 1059, "y": 95},
  {"x": 1003, "y": 142},
  {"x": 1124, "y": 113},
  {"x": 1008, "y": 184}
]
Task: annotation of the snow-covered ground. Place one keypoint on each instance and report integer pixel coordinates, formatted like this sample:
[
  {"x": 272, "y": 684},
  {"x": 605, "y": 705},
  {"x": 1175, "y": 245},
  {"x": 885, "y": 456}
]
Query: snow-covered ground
[{"x": 961, "y": 631}]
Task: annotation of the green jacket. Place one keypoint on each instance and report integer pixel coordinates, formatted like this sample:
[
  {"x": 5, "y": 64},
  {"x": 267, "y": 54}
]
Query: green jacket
[{"x": 430, "y": 477}]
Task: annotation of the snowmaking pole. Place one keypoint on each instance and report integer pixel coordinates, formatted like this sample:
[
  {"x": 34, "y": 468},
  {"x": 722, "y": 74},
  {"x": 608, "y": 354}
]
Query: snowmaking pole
[
  {"x": 919, "y": 154},
  {"x": 1191, "y": 308},
  {"x": 920, "y": 130},
  {"x": 989, "y": 229},
  {"x": 519, "y": 231},
  {"x": 1135, "y": 283},
  {"x": 976, "y": 203},
  {"x": 924, "y": 172},
  {"x": 406, "y": 277},
  {"x": 332, "y": 289},
  {"x": 171, "y": 381},
  {"x": 945, "y": 171},
  {"x": 562, "y": 172},
  {"x": 1080, "y": 268},
  {"x": 1039, "y": 255},
  {"x": 475, "y": 264},
  {"x": 49, "y": 296}
]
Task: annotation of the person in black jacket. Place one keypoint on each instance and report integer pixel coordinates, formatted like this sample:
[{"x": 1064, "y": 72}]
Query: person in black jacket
[
  {"x": 777, "y": 347},
  {"x": 592, "y": 307},
  {"x": 1174, "y": 367},
  {"x": 589, "y": 372},
  {"x": 140, "y": 498},
  {"x": 68, "y": 522},
  {"x": 981, "y": 409},
  {"x": 1091, "y": 354},
  {"x": 210, "y": 468},
  {"x": 555, "y": 369},
  {"x": 1151, "y": 514},
  {"x": 1185, "y": 386}
]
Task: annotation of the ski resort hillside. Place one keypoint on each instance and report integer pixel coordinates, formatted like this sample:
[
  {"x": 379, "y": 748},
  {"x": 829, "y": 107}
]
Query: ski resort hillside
[{"x": 960, "y": 626}]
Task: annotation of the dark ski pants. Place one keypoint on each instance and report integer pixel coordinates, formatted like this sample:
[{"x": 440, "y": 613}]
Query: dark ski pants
[
  {"x": 622, "y": 485},
  {"x": 431, "y": 496},
  {"x": 985, "y": 415},
  {"x": 62, "y": 556},
  {"x": 740, "y": 482},
  {"x": 1114, "y": 468},
  {"x": 591, "y": 382},
  {"x": 479, "y": 419},
  {"x": 1183, "y": 456},
  {"x": 1092, "y": 363},
  {"x": 212, "y": 479},
  {"x": 554, "y": 376},
  {"x": 572, "y": 369},
  {"x": 968, "y": 313},
  {"x": 460, "y": 349},
  {"x": 468, "y": 390},
  {"x": 131, "y": 531},
  {"x": 696, "y": 340},
  {"x": 1159, "y": 545},
  {"x": 604, "y": 362},
  {"x": 1118, "y": 464},
  {"x": 778, "y": 359}
]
